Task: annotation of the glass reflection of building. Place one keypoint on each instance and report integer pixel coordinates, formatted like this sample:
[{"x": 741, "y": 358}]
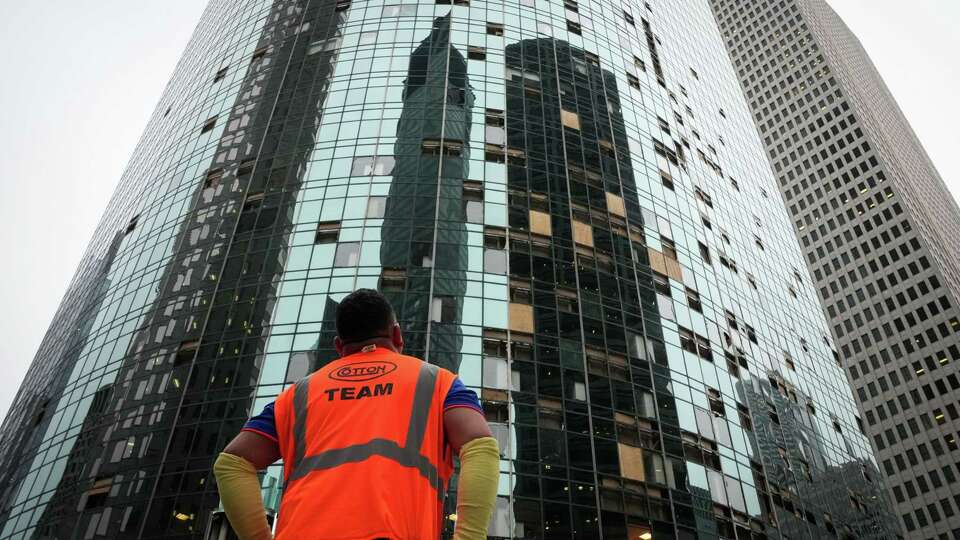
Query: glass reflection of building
[
  {"x": 568, "y": 206},
  {"x": 177, "y": 386}
]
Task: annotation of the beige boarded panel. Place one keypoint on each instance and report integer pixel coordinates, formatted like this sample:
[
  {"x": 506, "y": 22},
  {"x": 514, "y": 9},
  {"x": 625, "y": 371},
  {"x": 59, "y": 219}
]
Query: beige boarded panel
[
  {"x": 582, "y": 233},
  {"x": 657, "y": 261},
  {"x": 521, "y": 318},
  {"x": 490, "y": 394},
  {"x": 540, "y": 223},
  {"x": 631, "y": 462},
  {"x": 615, "y": 205},
  {"x": 570, "y": 119},
  {"x": 674, "y": 270}
]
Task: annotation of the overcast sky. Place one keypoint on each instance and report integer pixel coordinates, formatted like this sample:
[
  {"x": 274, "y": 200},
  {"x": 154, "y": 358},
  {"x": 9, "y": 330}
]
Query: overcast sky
[{"x": 81, "y": 78}]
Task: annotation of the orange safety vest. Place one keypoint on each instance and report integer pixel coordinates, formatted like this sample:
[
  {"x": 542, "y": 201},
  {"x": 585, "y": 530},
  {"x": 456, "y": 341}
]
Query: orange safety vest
[{"x": 364, "y": 456}]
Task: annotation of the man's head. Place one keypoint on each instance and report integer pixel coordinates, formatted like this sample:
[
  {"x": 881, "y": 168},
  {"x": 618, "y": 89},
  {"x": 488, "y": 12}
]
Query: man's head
[{"x": 365, "y": 316}]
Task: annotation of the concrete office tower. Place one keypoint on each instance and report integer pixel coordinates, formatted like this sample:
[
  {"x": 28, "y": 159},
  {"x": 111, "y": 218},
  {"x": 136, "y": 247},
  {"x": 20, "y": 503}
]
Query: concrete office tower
[
  {"x": 879, "y": 231},
  {"x": 566, "y": 202}
]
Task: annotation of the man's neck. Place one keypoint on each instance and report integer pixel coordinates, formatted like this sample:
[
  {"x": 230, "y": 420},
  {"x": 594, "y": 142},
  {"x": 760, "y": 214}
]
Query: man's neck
[{"x": 382, "y": 343}]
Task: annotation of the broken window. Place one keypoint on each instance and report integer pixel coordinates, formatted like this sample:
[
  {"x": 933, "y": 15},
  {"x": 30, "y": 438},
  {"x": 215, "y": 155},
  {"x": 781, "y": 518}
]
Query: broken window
[
  {"x": 447, "y": 147},
  {"x": 327, "y": 232}
]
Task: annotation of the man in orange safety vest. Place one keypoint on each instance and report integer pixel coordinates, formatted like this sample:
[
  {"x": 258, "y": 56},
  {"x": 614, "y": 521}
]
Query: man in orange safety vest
[{"x": 367, "y": 443}]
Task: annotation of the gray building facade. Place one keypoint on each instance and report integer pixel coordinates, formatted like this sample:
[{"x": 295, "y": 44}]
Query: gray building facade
[{"x": 880, "y": 233}]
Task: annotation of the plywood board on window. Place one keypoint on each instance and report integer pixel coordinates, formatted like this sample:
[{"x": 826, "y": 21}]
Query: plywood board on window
[
  {"x": 570, "y": 119},
  {"x": 615, "y": 205},
  {"x": 521, "y": 318},
  {"x": 657, "y": 262},
  {"x": 674, "y": 270},
  {"x": 490, "y": 394},
  {"x": 631, "y": 462},
  {"x": 582, "y": 233},
  {"x": 540, "y": 223}
]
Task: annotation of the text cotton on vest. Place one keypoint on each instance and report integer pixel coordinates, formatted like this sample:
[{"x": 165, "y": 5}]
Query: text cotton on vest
[{"x": 363, "y": 450}]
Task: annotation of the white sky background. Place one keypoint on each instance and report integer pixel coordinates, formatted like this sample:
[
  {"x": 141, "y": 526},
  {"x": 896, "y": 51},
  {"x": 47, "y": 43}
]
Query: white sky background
[{"x": 80, "y": 79}]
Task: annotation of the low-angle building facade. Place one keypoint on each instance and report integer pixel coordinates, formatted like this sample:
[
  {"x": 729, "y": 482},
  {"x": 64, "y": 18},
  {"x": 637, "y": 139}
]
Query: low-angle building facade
[
  {"x": 880, "y": 233},
  {"x": 566, "y": 202}
]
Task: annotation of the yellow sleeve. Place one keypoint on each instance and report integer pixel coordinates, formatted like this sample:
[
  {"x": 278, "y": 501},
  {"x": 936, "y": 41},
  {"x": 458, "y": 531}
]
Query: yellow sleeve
[
  {"x": 239, "y": 488},
  {"x": 477, "y": 489}
]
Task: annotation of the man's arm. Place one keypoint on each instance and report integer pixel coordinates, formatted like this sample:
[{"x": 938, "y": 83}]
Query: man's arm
[
  {"x": 469, "y": 435},
  {"x": 239, "y": 486},
  {"x": 259, "y": 450}
]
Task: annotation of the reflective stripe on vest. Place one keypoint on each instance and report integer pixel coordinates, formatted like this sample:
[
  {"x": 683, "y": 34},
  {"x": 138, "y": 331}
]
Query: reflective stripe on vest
[{"x": 408, "y": 455}]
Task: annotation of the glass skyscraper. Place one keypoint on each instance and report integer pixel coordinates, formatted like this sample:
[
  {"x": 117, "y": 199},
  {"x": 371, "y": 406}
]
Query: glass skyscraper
[
  {"x": 879, "y": 231},
  {"x": 566, "y": 202}
]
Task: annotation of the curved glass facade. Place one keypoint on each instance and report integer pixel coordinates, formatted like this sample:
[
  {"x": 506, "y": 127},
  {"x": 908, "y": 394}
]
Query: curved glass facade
[{"x": 566, "y": 202}]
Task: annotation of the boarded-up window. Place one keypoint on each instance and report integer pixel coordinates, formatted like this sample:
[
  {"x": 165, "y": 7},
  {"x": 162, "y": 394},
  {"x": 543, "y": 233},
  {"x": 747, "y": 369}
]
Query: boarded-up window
[
  {"x": 615, "y": 205},
  {"x": 674, "y": 270},
  {"x": 665, "y": 265},
  {"x": 570, "y": 119},
  {"x": 657, "y": 262},
  {"x": 540, "y": 223},
  {"x": 521, "y": 318},
  {"x": 631, "y": 462},
  {"x": 582, "y": 233}
]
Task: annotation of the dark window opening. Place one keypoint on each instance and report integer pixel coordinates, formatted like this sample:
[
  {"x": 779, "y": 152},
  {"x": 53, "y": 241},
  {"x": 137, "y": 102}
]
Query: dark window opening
[
  {"x": 393, "y": 279},
  {"x": 667, "y": 180},
  {"x": 476, "y": 53},
  {"x": 220, "y": 74},
  {"x": 494, "y": 117},
  {"x": 445, "y": 147},
  {"x": 213, "y": 178},
  {"x": 705, "y": 253},
  {"x": 669, "y": 248},
  {"x": 520, "y": 293},
  {"x": 41, "y": 412},
  {"x": 246, "y": 167},
  {"x": 258, "y": 55},
  {"x": 208, "y": 125},
  {"x": 494, "y": 155},
  {"x": 661, "y": 284},
  {"x": 132, "y": 224},
  {"x": 443, "y": 309},
  {"x": 97, "y": 495},
  {"x": 494, "y": 29},
  {"x": 693, "y": 300},
  {"x": 328, "y": 232},
  {"x": 186, "y": 352}
]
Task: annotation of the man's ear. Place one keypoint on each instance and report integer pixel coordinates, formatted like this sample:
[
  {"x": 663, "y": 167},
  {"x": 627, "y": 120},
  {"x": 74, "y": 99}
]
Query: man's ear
[
  {"x": 338, "y": 345},
  {"x": 396, "y": 337}
]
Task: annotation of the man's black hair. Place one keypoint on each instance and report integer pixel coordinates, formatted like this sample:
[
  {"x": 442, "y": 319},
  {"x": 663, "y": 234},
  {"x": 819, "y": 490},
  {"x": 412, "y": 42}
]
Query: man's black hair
[{"x": 364, "y": 314}]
